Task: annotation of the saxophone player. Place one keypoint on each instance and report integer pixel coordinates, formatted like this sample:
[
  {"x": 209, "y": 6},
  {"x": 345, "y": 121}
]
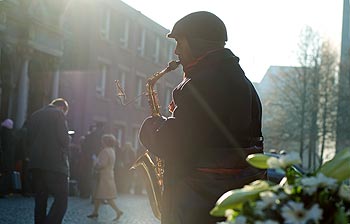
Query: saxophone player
[{"x": 215, "y": 124}]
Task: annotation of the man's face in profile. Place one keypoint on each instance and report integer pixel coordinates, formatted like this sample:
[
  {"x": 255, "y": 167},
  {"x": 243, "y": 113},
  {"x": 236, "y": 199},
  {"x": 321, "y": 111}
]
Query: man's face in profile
[{"x": 183, "y": 51}]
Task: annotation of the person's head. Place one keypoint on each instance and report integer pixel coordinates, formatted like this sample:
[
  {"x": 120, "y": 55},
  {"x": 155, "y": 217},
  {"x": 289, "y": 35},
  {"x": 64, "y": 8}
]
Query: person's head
[
  {"x": 7, "y": 123},
  {"x": 196, "y": 34},
  {"x": 99, "y": 125},
  {"x": 61, "y": 104},
  {"x": 108, "y": 140}
]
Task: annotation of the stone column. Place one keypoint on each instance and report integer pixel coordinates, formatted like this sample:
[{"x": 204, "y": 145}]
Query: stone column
[
  {"x": 55, "y": 83},
  {"x": 23, "y": 91}
]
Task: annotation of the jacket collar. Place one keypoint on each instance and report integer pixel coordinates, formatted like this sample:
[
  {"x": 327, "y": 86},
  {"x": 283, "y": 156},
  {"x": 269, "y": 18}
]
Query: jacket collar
[{"x": 210, "y": 58}]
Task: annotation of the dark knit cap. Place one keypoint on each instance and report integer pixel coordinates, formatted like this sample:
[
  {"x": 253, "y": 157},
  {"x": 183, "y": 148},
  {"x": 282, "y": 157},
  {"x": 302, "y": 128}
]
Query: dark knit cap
[{"x": 200, "y": 25}]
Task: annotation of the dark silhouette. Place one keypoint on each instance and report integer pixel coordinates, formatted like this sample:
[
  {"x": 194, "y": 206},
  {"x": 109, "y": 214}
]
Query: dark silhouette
[
  {"x": 215, "y": 124},
  {"x": 22, "y": 158},
  {"x": 7, "y": 157},
  {"x": 48, "y": 155},
  {"x": 91, "y": 146}
]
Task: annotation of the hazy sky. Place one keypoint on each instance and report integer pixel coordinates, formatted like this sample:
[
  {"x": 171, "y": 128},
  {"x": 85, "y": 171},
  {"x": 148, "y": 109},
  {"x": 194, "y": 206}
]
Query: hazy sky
[{"x": 260, "y": 32}]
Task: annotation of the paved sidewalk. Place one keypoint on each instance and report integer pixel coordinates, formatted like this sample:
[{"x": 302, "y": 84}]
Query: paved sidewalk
[{"x": 19, "y": 210}]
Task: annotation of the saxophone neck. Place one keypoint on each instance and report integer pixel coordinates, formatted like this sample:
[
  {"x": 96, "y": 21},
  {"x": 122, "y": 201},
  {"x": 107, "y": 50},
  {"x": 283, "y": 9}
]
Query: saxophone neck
[
  {"x": 154, "y": 78},
  {"x": 152, "y": 98}
]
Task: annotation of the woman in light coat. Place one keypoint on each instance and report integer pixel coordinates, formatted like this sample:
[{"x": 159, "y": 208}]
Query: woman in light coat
[{"x": 106, "y": 189}]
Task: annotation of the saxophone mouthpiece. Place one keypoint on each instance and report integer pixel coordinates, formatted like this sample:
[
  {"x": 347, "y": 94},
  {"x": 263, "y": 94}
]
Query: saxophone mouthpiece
[{"x": 173, "y": 65}]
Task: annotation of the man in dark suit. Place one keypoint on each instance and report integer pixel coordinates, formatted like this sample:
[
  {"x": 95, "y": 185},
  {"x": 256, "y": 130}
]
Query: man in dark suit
[{"x": 48, "y": 144}]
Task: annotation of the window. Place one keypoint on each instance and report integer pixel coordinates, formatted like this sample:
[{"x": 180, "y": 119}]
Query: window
[
  {"x": 122, "y": 78},
  {"x": 156, "y": 50},
  {"x": 135, "y": 138},
  {"x": 141, "y": 46},
  {"x": 140, "y": 85},
  {"x": 101, "y": 80},
  {"x": 105, "y": 25},
  {"x": 118, "y": 131},
  {"x": 125, "y": 38}
]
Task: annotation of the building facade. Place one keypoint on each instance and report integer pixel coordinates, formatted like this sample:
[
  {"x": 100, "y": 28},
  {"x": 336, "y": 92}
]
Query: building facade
[
  {"x": 343, "y": 113},
  {"x": 110, "y": 41},
  {"x": 30, "y": 51},
  {"x": 76, "y": 50}
]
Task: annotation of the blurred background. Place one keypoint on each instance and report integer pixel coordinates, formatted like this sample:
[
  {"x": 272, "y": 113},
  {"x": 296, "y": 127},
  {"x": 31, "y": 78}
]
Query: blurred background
[{"x": 76, "y": 49}]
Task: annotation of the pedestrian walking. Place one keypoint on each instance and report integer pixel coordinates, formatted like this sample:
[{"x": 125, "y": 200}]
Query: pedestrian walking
[
  {"x": 48, "y": 160},
  {"x": 7, "y": 157},
  {"x": 22, "y": 160},
  {"x": 104, "y": 165},
  {"x": 91, "y": 146}
]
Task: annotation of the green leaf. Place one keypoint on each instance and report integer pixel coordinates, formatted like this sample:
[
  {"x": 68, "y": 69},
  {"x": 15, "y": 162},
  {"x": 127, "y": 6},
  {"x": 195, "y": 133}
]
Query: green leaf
[
  {"x": 234, "y": 199},
  {"x": 258, "y": 160},
  {"x": 340, "y": 216},
  {"x": 338, "y": 167}
]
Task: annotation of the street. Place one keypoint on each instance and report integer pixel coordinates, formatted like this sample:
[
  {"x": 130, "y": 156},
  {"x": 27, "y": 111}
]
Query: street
[{"x": 19, "y": 210}]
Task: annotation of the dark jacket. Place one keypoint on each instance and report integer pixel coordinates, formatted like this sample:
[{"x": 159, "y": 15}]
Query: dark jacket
[
  {"x": 217, "y": 113},
  {"x": 7, "y": 160},
  {"x": 215, "y": 124},
  {"x": 48, "y": 140}
]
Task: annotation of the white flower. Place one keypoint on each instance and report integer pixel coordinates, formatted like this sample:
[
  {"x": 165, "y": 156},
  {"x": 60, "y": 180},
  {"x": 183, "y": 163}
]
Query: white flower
[
  {"x": 273, "y": 163},
  {"x": 256, "y": 185},
  {"x": 229, "y": 214},
  {"x": 295, "y": 213},
  {"x": 312, "y": 183},
  {"x": 344, "y": 192},
  {"x": 328, "y": 182},
  {"x": 268, "y": 196},
  {"x": 268, "y": 199},
  {"x": 290, "y": 159},
  {"x": 240, "y": 220},
  {"x": 284, "y": 160},
  {"x": 288, "y": 189},
  {"x": 269, "y": 221},
  {"x": 315, "y": 213},
  {"x": 260, "y": 206}
]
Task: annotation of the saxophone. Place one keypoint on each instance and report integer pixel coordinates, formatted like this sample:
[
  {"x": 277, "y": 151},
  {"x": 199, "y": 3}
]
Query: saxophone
[{"x": 152, "y": 171}]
